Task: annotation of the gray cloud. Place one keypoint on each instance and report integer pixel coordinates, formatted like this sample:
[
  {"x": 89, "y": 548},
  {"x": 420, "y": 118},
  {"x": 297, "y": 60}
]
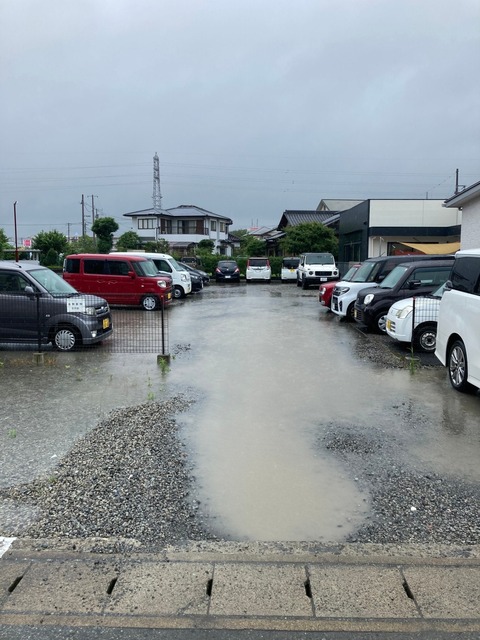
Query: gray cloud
[{"x": 253, "y": 106}]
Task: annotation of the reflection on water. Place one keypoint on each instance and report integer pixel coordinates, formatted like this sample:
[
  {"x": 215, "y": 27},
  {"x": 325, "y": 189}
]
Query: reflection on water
[{"x": 273, "y": 378}]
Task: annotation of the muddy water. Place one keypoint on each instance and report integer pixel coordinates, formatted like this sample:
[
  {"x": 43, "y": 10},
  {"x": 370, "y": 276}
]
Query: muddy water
[{"x": 275, "y": 374}]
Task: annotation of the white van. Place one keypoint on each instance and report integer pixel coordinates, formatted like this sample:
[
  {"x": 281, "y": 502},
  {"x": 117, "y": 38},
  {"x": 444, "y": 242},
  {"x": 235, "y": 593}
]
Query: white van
[
  {"x": 458, "y": 335},
  {"x": 182, "y": 283}
]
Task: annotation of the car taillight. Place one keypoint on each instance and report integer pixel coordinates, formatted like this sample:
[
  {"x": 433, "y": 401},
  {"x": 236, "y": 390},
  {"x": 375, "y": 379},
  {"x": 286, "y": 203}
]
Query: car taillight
[
  {"x": 236, "y": 270},
  {"x": 217, "y": 270}
]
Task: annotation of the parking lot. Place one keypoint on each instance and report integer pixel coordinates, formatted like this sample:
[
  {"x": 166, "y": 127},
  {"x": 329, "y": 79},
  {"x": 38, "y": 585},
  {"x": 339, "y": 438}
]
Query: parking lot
[{"x": 301, "y": 426}]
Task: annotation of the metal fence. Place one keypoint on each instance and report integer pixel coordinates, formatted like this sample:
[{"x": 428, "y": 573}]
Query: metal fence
[
  {"x": 423, "y": 326},
  {"x": 34, "y": 322}
]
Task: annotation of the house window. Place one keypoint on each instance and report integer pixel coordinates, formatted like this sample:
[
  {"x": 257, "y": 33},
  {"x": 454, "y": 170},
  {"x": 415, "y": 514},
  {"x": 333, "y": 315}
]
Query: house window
[
  {"x": 146, "y": 223},
  {"x": 213, "y": 225},
  {"x": 222, "y": 227},
  {"x": 186, "y": 226}
]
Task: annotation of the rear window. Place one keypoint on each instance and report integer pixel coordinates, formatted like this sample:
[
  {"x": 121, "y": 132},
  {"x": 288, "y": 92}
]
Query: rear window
[
  {"x": 466, "y": 275},
  {"x": 258, "y": 262},
  {"x": 227, "y": 263},
  {"x": 290, "y": 263}
]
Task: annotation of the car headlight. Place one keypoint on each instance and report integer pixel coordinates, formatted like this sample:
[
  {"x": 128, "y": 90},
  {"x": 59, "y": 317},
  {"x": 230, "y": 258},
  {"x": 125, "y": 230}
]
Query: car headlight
[
  {"x": 368, "y": 298},
  {"x": 90, "y": 311},
  {"x": 405, "y": 312},
  {"x": 162, "y": 284},
  {"x": 342, "y": 290},
  {"x": 183, "y": 277}
]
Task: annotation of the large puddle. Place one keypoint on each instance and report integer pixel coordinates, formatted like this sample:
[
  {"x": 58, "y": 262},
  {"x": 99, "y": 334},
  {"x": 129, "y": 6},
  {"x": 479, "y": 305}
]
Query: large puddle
[{"x": 272, "y": 374}]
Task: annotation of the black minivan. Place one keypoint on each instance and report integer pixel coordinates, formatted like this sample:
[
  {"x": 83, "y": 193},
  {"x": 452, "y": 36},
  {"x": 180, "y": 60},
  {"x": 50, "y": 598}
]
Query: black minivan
[
  {"x": 417, "y": 278},
  {"x": 37, "y": 305}
]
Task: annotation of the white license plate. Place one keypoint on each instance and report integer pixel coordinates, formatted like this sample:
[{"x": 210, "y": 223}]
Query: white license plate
[
  {"x": 227, "y": 277},
  {"x": 323, "y": 279}
]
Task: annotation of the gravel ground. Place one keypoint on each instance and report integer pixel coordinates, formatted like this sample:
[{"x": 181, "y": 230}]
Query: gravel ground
[
  {"x": 130, "y": 478},
  {"x": 127, "y": 478}
]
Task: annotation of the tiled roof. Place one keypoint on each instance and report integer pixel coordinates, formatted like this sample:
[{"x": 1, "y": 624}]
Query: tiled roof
[{"x": 292, "y": 218}]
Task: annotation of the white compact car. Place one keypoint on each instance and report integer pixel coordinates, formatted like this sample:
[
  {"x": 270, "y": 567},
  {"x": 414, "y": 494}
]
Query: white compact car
[
  {"x": 458, "y": 337},
  {"x": 419, "y": 314}
]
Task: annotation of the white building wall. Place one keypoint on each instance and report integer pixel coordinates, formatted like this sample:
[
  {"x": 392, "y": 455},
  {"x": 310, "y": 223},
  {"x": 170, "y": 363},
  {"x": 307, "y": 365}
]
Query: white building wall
[
  {"x": 412, "y": 213},
  {"x": 470, "y": 238}
]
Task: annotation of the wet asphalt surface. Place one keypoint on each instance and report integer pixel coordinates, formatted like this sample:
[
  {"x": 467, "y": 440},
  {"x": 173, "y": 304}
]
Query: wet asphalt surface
[{"x": 298, "y": 427}]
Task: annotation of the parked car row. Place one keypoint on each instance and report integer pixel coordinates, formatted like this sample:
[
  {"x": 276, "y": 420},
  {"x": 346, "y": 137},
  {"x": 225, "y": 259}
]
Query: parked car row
[{"x": 431, "y": 302}]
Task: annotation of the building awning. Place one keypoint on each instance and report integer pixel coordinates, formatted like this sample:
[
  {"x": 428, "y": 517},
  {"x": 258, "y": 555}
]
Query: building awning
[{"x": 441, "y": 248}]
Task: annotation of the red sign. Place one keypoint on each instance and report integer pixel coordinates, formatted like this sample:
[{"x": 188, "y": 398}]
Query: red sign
[{"x": 27, "y": 243}]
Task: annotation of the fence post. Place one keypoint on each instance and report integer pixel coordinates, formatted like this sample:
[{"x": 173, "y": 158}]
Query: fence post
[{"x": 163, "y": 357}]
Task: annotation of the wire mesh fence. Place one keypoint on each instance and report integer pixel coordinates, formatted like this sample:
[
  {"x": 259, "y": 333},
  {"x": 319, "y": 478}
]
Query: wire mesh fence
[
  {"x": 30, "y": 320},
  {"x": 423, "y": 326}
]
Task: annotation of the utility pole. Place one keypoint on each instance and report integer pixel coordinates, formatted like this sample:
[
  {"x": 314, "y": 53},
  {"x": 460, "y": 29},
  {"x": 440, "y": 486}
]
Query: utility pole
[
  {"x": 83, "y": 215},
  {"x": 157, "y": 195},
  {"x": 15, "y": 227},
  {"x": 458, "y": 186}
]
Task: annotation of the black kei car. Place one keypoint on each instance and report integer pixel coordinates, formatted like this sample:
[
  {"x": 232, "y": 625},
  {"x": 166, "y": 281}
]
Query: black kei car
[
  {"x": 195, "y": 277},
  {"x": 227, "y": 271},
  {"x": 196, "y": 272}
]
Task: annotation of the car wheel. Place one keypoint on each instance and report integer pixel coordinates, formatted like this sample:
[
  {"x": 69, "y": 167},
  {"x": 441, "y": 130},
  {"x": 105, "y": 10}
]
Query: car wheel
[
  {"x": 425, "y": 338},
  {"x": 299, "y": 284},
  {"x": 178, "y": 292},
  {"x": 304, "y": 283},
  {"x": 65, "y": 338},
  {"x": 350, "y": 315},
  {"x": 458, "y": 367},
  {"x": 150, "y": 303},
  {"x": 380, "y": 323}
]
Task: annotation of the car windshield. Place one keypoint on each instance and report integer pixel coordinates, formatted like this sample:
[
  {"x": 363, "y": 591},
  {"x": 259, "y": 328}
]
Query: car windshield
[
  {"x": 393, "y": 277},
  {"x": 177, "y": 266},
  {"x": 320, "y": 258},
  {"x": 438, "y": 293},
  {"x": 290, "y": 263},
  {"x": 53, "y": 283},
  {"x": 367, "y": 272},
  {"x": 350, "y": 273},
  {"x": 145, "y": 268}
]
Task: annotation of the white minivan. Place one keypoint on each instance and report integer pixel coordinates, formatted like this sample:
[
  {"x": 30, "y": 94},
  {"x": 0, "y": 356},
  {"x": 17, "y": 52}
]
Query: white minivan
[
  {"x": 458, "y": 334},
  {"x": 181, "y": 281}
]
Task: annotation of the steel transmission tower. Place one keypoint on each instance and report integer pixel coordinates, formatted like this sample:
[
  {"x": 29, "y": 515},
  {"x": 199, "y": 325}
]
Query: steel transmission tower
[{"x": 157, "y": 194}]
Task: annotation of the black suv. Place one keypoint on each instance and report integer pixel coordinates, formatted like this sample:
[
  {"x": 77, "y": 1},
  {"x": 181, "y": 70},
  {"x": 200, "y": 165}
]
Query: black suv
[
  {"x": 405, "y": 280},
  {"x": 38, "y": 306}
]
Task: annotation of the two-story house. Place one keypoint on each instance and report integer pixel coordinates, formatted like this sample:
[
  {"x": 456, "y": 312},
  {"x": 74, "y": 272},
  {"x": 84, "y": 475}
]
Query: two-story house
[{"x": 183, "y": 227}]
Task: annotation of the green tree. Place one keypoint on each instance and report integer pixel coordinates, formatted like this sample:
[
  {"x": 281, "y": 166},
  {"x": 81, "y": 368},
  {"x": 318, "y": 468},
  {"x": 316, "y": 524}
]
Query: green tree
[
  {"x": 160, "y": 246},
  {"x": 252, "y": 246},
  {"x": 206, "y": 245},
  {"x": 52, "y": 241},
  {"x": 84, "y": 244},
  {"x": 104, "y": 228},
  {"x": 129, "y": 240},
  {"x": 4, "y": 244},
  {"x": 309, "y": 236}
]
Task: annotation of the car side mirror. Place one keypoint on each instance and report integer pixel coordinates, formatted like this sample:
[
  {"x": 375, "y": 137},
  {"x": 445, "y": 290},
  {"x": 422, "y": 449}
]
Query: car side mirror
[
  {"x": 29, "y": 290},
  {"x": 131, "y": 274},
  {"x": 448, "y": 285},
  {"x": 414, "y": 284}
]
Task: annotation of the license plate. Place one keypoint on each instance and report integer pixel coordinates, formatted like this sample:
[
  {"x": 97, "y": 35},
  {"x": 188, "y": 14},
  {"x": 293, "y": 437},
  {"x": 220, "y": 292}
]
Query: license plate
[
  {"x": 106, "y": 323},
  {"x": 389, "y": 324},
  {"x": 226, "y": 277},
  {"x": 323, "y": 279},
  {"x": 169, "y": 296},
  {"x": 355, "y": 314}
]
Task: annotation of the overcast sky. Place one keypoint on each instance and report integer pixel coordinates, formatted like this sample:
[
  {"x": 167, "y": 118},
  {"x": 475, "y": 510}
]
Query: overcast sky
[{"x": 253, "y": 106}]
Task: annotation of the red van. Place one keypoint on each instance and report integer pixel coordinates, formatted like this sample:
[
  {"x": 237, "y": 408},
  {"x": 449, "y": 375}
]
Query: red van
[{"x": 125, "y": 280}]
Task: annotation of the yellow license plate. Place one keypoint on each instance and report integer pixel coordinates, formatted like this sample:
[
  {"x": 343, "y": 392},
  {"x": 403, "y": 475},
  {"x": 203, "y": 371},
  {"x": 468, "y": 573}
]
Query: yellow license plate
[
  {"x": 106, "y": 323},
  {"x": 389, "y": 324},
  {"x": 169, "y": 295}
]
